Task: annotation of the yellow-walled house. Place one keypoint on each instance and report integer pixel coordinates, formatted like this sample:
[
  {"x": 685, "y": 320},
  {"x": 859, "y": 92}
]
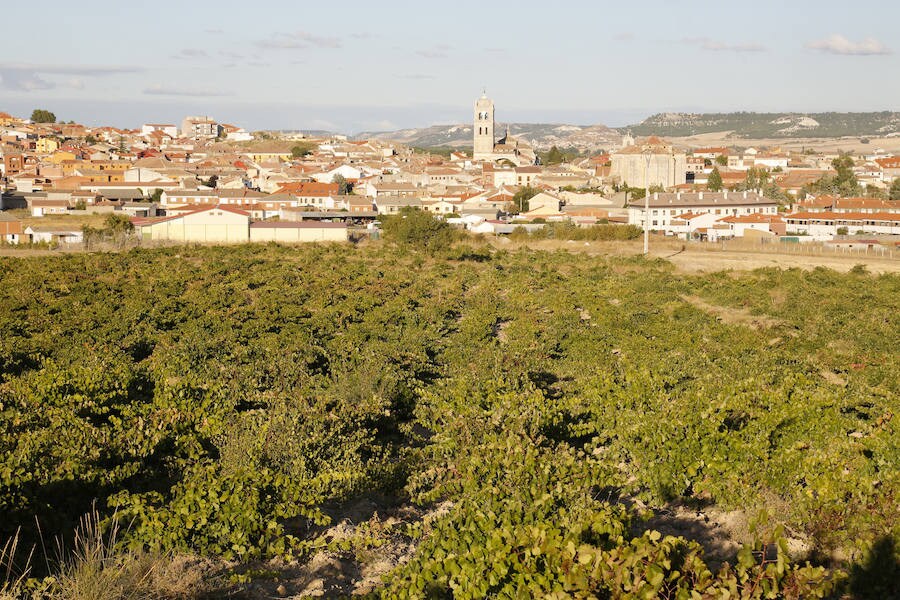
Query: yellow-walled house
[
  {"x": 60, "y": 157},
  {"x": 46, "y": 145},
  {"x": 266, "y": 157}
]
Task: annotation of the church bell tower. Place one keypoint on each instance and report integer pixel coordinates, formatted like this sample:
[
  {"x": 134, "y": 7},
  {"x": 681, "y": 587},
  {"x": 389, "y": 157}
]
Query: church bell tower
[{"x": 483, "y": 147}]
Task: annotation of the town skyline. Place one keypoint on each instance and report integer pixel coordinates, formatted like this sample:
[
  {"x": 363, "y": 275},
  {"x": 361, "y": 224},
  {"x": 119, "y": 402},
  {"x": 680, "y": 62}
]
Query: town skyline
[{"x": 393, "y": 66}]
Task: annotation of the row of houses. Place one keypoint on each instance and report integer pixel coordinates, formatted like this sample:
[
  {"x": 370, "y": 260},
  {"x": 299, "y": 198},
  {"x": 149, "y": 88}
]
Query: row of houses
[{"x": 714, "y": 216}]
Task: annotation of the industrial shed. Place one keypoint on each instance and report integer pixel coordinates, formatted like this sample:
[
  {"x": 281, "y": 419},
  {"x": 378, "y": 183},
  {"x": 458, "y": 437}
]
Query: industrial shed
[
  {"x": 214, "y": 224},
  {"x": 297, "y": 232}
]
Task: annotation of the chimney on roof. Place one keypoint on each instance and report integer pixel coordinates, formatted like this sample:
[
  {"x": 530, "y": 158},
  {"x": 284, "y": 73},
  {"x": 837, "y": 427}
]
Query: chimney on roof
[
  {"x": 700, "y": 196},
  {"x": 725, "y": 195},
  {"x": 745, "y": 194},
  {"x": 656, "y": 195}
]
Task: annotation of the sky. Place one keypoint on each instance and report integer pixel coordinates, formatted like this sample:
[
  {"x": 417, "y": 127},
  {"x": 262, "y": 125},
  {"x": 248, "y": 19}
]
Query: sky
[{"x": 352, "y": 65}]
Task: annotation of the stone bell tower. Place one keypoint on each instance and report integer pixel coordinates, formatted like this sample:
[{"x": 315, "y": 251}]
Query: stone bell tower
[{"x": 483, "y": 147}]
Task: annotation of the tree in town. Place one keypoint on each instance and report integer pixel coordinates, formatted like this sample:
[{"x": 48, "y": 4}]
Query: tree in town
[
  {"x": 39, "y": 115},
  {"x": 302, "y": 149},
  {"x": 416, "y": 228},
  {"x": 843, "y": 183},
  {"x": 344, "y": 186},
  {"x": 843, "y": 164},
  {"x": 757, "y": 179},
  {"x": 90, "y": 235},
  {"x": 521, "y": 198},
  {"x": 894, "y": 194},
  {"x": 554, "y": 156},
  {"x": 722, "y": 160},
  {"x": 118, "y": 227},
  {"x": 714, "y": 183}
]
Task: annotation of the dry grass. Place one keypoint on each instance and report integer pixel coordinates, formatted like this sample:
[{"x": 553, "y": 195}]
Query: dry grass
[
  {"x": 732, "y": 316},
  {"x": 11, "y": 583},
  {"x": 98, "y": 567},
  {"x": 74, "y": 222}
]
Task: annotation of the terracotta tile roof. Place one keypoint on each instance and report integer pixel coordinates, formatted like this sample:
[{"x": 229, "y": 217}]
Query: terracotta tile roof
[
  {"x": 892, "y": 162},
  {"x": 753, "y": 218},
  {"x": 138, "y": 221},
  {"x": 309, "y": 188},
  {"x": 844, "y": 216}
]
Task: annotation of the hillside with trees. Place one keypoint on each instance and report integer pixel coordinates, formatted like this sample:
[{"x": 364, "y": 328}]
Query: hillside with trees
[
  {"x": 770, "y": 125},
  {"x": 425, "y": 417}
]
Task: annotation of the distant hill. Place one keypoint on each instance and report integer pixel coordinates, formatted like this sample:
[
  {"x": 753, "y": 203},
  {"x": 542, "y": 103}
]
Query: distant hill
[
  {"x": 541, "y": 136},
  {"x": 771, "y": 125}
]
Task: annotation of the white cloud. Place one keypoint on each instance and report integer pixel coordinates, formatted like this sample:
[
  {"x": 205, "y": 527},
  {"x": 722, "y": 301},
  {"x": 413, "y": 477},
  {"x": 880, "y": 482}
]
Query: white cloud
[
  {"x": 383, "y": 125},
  {"x": 323, "y": 124},
  {"x": 717, "y": 46},
  {"x": 299, "y": 40},
  {"x": 166, "y": 90},
  {"x": 188, "y": 53},
  {"x": 438, "y": 51},
  {"x": 23, "y": 81},
  {"x": 30, "y": 77},
  {"x": 838, "y": 44}
]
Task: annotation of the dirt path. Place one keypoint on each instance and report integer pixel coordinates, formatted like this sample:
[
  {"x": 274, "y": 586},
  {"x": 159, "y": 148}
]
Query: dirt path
[
  {"x": 698, "y": 258},
  {"x": 695, "y": 262}
]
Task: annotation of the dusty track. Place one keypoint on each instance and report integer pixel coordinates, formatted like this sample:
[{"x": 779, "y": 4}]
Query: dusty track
[{"x": 698, "y": 258}]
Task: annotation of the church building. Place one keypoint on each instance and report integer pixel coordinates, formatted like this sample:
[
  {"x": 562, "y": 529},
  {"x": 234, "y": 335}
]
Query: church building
[{"x": 487, "y": 148}]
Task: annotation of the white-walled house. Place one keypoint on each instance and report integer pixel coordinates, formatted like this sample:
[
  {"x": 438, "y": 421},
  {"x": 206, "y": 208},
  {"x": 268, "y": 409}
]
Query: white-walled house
[
  {"x": 754, "y": 225},
  {"x": 687, "y": 224},
  {"x": 239, "y": 135},
  {"x": 346, "y": 171},
  {"x": 53, "y": 235},
  {"x": 169, "y": 129},
  {"x": 144, "y": 175},
  {"x": 828, "y": 223},
  {"x": 666, "y": 208}
]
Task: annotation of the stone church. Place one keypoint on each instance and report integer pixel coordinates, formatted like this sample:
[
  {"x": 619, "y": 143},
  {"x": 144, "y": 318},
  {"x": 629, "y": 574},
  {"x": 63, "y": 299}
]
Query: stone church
[{"x": 487, "y": 148}]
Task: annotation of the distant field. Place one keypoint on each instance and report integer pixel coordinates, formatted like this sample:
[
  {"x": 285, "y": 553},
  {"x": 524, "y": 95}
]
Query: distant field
[{"x": 67, "y": 221}]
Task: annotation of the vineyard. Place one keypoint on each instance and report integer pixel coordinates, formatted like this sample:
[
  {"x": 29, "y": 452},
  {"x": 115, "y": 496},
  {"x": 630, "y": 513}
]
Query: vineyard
[{"x": 536, "y": 415}]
